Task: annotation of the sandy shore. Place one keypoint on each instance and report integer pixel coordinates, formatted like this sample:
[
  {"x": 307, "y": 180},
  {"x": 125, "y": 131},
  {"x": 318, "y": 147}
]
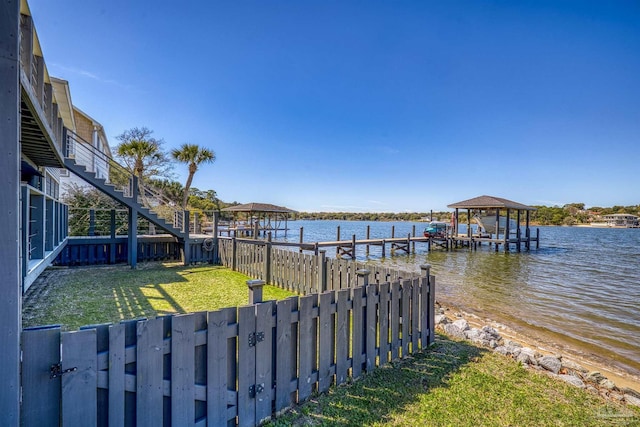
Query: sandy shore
[{"x": 620, "y": 378}]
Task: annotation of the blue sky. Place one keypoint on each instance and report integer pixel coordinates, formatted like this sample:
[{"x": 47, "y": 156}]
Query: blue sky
[{"x": 368, "y": 105}]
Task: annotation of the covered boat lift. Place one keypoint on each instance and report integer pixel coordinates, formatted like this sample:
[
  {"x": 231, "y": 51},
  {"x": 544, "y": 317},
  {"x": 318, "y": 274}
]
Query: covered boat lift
[
  {"x": 499, "y": 222},
  {"x": 258, "y": 217}
]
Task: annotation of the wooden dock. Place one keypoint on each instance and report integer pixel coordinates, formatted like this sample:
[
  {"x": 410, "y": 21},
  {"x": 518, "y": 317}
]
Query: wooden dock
[{"x": 346, "y": 248}]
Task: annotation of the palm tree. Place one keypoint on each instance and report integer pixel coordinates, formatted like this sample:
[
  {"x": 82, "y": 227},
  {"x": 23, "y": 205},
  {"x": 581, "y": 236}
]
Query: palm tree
[
  {"x": 193, "y": 155},
  {"x": 143, "y": 155}
]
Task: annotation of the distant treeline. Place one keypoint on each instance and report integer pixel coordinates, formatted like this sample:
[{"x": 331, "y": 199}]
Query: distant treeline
[{"x": 569, "y": 214}]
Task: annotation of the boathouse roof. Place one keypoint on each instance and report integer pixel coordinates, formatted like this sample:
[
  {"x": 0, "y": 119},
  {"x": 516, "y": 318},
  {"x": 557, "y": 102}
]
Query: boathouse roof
[
  {"x": 490, "y": 202},
  {"x": 258, "y": 207}
]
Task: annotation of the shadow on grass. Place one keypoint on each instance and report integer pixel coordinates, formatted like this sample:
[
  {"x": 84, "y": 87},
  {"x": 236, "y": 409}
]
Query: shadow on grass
[
  {"x": 379, "y": 395},
  {"x": 77, "y": 296}
]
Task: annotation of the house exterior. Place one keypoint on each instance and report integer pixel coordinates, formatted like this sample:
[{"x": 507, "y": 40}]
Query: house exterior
[
  {"x": 89, "y": 147},
  {"x": 621, "y": 220}
]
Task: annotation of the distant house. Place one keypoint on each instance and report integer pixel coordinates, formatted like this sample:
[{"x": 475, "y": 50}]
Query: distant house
[{"x": 621, "y": 220}]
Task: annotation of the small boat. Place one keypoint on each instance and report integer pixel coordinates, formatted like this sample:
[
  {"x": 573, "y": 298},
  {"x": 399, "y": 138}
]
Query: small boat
[
  {"x": 437, "y": 229},
  {"x": 488, "y": 223}
]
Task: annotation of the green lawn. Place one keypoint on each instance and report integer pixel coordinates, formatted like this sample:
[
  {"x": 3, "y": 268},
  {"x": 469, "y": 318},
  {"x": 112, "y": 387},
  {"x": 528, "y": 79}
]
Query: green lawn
[
  {"x": 74, "y": 297},
  {"x": 457, "y": 384}
]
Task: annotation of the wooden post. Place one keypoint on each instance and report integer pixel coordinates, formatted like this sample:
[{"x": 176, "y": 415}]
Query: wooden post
[
  {"x": 413, "y": 232},
  {"x": 469, "y": 224},
  {"x": 393, "y": 231},
  {"x": 527, "y": 231},
  {"x": 214, "y": 230},
  {"x": 112, "y": 233},
  {"x": 368, "y": 237},
  {"x": 337, "y": 240},
  {"x": 267, "y": 259},
  {"x": 363, "y": 277},
  {"x": 301, "y": 237},
  {"x": 507, "y": 233},
  {"x": 455, "y": 226},
  {"x": 186, "y": 248},
  {"x": 518, "y": 235},
  {"x": 132, "y": 237},
  {"x": 322, "y": 271},
  {"x": 430, "y": 302},
  {"x": 234, "y": 253},
  {"x": 353, "y": 247},
  {"x": 11, "y": 248},
  {"x": 255, "y": 291},
  {"x": 92, "y": 222},
  {"x": 537, "y": 238}
]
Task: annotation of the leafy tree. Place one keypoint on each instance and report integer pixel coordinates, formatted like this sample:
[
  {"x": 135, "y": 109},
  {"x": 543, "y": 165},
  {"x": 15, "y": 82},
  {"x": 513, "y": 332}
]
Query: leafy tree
[
  {"x": 171, "y": 190},
  {"x": 193, "y": 155},
  {"x": 80, "y": 200},
  {"x": 143, "y": 155}
]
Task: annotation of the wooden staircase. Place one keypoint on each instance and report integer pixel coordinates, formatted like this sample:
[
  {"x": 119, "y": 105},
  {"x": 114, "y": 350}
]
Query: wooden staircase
[{"x": 111, "y": 178}]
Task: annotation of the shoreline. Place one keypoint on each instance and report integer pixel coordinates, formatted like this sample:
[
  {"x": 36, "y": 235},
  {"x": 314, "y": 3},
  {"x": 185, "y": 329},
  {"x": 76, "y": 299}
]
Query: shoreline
[{"x": 621, "y": 378}]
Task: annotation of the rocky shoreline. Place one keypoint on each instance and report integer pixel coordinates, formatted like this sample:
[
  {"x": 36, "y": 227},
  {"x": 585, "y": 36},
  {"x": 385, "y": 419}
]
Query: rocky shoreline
[{"x": 455, "y": 325}]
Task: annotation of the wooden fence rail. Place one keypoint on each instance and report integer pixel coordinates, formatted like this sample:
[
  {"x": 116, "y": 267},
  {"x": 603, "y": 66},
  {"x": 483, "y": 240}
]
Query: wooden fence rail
[{"x": 236, "y": 366}]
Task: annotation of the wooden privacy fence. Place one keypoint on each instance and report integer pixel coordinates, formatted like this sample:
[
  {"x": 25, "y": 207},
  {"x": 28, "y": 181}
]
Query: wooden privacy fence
[
  {"x": 236, "y": 366},
  {"x": 299, "y": 272},
  {"x": 113, "y": 250}
]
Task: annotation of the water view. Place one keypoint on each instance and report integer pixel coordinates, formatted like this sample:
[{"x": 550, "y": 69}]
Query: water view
[{"x": 580, "y": 290}]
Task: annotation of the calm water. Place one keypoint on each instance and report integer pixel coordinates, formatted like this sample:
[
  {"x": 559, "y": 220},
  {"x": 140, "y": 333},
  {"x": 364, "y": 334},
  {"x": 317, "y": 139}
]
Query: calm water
[{"x": 580, "y": 290}]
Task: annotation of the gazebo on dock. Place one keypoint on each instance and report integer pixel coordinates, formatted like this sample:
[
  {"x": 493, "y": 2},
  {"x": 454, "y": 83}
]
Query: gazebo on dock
[
  {"x": 258, "y": 217},
  {"x": 499, "y": 222}
]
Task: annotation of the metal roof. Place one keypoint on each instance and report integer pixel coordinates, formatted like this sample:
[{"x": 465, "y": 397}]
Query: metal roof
[
  {"x": 490, "y": 202},
  {"x": 258, "y": 207}
]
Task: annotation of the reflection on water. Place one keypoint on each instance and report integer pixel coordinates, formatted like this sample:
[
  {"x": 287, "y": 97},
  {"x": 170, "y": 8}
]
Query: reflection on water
[{"x": 581, "y": 288}]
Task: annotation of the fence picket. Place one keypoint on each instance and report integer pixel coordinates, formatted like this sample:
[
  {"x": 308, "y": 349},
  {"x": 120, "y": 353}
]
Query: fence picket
[
  {"x": 218, "y": 365},
  {"x": 246, "y": 366},
  {"x": 383, "y": 319},
  {"x": 307, "y": 346},
  {"x": 41, "y": 394},
  {"x": 182, "y": 370},
  {"x": 372, "y": 326},
  {"x": 149, "y": 373},
  {"x": 265, "y": 323},
  {"x": 405, "y": 303},
  {"x": 415, "y": 314},
  {"x": 357, "y": 337},
  {"x": 327, "y": 340},
  {"x": 342, "y": 336},
  {"x": 116, "y": 375},
  {"x": 79, "y": 387},
  {"x": 286, "y": 365},
  {"x": 395, "y": 319}
]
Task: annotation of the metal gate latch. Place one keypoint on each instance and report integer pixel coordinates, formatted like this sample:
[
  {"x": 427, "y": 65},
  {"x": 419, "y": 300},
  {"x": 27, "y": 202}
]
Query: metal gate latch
[{"x": 56, "y": 371}]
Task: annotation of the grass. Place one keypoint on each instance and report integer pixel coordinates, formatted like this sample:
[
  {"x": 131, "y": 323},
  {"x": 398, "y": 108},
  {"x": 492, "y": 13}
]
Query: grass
[
  {"x": 73, "y": 297},
  {"x": 457, "y": 384}
]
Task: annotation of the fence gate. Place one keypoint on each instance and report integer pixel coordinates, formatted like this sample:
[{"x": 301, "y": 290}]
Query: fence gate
[
  {"x": 256, "y": 376},
  {"x": 59, "y": 390}
]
